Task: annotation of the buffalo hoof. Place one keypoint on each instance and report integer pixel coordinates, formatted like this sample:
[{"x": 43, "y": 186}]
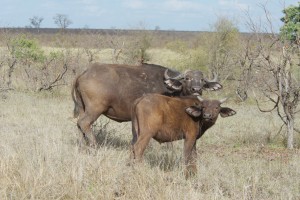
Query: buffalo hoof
[{"x": 190, "y": 172}]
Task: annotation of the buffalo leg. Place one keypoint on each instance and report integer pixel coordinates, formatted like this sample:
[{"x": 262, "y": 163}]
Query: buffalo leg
[
  {"x": 190, "y": 155},
  {"x": 84, "y": 123},
  {"x": 134, "y": 127},
  {"x": 133, "y": 141}
]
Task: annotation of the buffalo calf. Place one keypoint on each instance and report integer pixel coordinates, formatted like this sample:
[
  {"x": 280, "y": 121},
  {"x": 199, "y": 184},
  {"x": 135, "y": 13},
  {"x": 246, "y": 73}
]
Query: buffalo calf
[{"x": 167, "y": 119}]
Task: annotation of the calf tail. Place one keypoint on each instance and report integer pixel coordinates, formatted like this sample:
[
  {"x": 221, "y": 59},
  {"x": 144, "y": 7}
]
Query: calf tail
[{"x": 135, "y": 121}]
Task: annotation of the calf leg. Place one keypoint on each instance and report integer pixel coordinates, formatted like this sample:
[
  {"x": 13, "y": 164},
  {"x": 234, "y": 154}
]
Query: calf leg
[
  {"x": 190, "y": 155},
  {"x": 140, "y": 146}
]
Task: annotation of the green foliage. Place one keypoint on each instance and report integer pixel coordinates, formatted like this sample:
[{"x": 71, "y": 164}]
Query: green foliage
[
  {"x": 291, "y": 28},
  {"x": 195, "y": 58},
  {"x": 144, "y": 43},
  {"x": 226, "y": 34},
  {"x": 198, "y": 59},
  {"x": 53, "y": 55},
  {"x": 26, "y": 50},
  {"x": 222, "y": 46},
  {"x": 178, "y": 46}
]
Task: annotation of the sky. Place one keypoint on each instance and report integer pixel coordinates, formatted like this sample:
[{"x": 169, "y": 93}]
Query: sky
[{"x": 185, "y": 15}]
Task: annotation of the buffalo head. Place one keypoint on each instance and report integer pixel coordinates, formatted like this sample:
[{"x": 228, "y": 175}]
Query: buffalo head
[
  {"x": 191, "y": 82},
  {"x": 210, "y": 109}
]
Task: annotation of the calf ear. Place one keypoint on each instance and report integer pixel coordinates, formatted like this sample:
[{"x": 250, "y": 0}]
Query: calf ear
[
  {"x": 227, "y": 112},
  {"x": 212, "y": 86},
  {"x": 173, "y": 84},
  {"x": 193, "y": 111}
]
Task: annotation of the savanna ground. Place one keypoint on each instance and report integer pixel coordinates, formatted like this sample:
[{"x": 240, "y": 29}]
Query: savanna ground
[
  {"x": 241, "y": 157},
  {"x": 40, "y": 157}
]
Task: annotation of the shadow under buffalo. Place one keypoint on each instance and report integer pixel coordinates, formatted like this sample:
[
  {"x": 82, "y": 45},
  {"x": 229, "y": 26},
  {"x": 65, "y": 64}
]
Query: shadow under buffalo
[
  {"x": 165, "y": 158},
  {"x": 108, "y": 137}
]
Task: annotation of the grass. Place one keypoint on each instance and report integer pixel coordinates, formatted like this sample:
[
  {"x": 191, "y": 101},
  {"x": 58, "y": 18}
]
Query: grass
[{"x": 39, "y": 157}]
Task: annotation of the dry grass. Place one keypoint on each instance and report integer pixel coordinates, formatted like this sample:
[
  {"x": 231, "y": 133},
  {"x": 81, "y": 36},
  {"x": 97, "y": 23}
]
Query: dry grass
[{"x": 239, "y": 158}]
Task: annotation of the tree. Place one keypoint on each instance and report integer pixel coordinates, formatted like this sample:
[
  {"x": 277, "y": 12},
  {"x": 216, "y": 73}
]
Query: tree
[
  {"x": 269, "y": 65},
  {"x": 36, "y": 21},
  {"x": 62, "y": 21},
  {"x": 222, "y": 45},
  {"x": 291, "y": 28}
]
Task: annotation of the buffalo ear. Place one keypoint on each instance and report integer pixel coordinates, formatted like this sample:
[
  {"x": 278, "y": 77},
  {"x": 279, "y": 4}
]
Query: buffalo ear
[
  {"x": 173, "y": 84},
  {"x": 227, "y": 112},
  {"x": 212, "y": 86},
  {"x": 193, "y": 111}
]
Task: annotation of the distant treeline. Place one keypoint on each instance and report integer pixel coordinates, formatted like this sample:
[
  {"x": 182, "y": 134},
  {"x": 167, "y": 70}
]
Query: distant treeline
[
  {"x": 98, "y": 31},
  {"x": 79, "y": 37}
]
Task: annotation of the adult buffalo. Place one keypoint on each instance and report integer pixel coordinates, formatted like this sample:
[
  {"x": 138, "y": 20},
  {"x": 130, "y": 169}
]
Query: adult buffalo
[
  {"x": 110, "y": 89},
  {"x": 167, "y": 119}
]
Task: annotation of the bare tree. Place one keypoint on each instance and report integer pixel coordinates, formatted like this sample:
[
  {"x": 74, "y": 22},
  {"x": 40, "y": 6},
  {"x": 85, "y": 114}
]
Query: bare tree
[
  {"x": 116, "y": 42},
  {"x": 36, "y": 21},
  {"x": 62, "y": 21},
  {"x": 269, "y": 65}
]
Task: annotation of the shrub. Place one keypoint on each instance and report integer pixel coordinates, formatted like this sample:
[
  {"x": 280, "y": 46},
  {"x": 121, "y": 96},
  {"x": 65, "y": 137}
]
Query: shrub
[
  {"x": 26, "y": 50},
  {"x": 178, "y": 46}
]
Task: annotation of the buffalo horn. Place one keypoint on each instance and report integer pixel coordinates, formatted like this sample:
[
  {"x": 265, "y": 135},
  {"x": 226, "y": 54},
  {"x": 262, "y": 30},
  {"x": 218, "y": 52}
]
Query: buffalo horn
[
  {"x": 215, "y": 79},
  {"x": 187, "y": 71},
  {"x": 180, "y": 76},
  {"x": 200, "y": 98}
]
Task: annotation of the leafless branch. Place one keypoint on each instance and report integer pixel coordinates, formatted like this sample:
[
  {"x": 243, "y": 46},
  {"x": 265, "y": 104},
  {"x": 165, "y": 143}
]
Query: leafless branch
[
  {"x": 267, "y": 15},
  {"x": 270, "y": 110},
  {"x": 280, "y": 129},
  {"x": 58, "y": 78}
]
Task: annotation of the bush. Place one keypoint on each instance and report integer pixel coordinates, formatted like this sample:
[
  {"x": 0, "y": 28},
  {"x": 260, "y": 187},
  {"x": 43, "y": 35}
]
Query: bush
[
  {"x": 136, "y": 51},
  {"x": 178, "y": 46},
  {"x": 26, "y": 50}
]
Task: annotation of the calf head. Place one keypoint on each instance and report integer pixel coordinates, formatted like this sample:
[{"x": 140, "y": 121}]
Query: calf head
[
  {"x": 209, "y": 110},
  {"x": 191, "y": 82}
]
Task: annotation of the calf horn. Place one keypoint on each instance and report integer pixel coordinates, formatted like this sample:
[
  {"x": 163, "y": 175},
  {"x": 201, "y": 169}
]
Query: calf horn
[
  {"x": 180, "y": 76},
  {"x": 223, "y": 100}
]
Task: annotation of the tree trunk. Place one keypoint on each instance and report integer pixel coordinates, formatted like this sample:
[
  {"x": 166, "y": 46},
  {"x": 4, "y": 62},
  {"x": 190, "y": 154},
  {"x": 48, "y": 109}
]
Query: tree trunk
[{"x": 290, "y": 132}]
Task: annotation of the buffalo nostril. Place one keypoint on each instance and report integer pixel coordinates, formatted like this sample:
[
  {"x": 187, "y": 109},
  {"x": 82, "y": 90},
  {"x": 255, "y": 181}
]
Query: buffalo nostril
[
  {"x": 207, "y": 116},
  {"x": 196, "y": 89}
]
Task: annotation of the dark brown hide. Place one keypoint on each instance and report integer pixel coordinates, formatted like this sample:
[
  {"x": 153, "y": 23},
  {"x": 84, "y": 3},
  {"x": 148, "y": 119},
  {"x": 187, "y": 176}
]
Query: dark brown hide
[{"x": 167, "y": 119}]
